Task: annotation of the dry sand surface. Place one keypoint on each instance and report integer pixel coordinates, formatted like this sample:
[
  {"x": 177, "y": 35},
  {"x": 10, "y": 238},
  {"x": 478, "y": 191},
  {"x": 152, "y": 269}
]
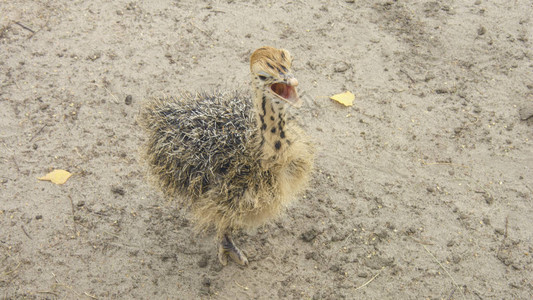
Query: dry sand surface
[{"x": 422, "y": 189}]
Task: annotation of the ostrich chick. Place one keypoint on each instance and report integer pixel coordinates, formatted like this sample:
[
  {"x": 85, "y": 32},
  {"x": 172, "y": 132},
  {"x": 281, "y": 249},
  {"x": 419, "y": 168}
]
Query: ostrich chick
[{"x": 236, "y": 160}]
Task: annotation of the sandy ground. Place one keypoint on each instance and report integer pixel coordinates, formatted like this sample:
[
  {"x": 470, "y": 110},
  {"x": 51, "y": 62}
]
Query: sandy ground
[{"x": 422, "y": 189}]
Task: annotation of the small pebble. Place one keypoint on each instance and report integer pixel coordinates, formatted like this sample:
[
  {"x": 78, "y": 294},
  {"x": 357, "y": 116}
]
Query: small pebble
[
  {"x": 481, "y": 30},
  {"x": 206, "y": 282},
  {"x": 526, "y": 112},
  {"x": 129, "y": 100},
  {"x": 311, "y": 255},
  {"x": 94, "y": 56},
  {"x": 38, "y": 217},
  {"x": 118, "y": 190},
  {"x": 340, "y": 67},
  {"x": 499, "y": 231},
  {"x": 488, "y": 198},
  {"x": 309, "y": 235},
  {"x": 202, "y": 263},
  {"x": 334, "y": 268}
]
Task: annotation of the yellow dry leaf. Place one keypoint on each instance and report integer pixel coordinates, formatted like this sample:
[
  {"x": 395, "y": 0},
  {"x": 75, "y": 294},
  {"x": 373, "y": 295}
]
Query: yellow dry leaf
[
  {"x": 345, "y": 99},
  {"x": 57, "y": 176}
]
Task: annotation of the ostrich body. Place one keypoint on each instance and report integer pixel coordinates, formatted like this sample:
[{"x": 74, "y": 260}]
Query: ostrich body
[{"x": 236, "y": 160}]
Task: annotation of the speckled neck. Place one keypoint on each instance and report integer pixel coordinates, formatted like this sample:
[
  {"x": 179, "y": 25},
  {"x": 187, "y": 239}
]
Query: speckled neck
[{"x": 270, "y": 114}]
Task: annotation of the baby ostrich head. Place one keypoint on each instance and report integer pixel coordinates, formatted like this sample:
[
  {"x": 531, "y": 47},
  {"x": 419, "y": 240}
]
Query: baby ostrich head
[{"x": 272, "y": 75}]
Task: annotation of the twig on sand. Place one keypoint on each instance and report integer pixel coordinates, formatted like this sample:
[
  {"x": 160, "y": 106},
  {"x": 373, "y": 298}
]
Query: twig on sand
[
  {"x": 73, "y": 219},
  {"x": 116, "y": 99},
  {"x": 48, "y": 292},
  {"x": 369, "y": 281},
  {"x": 14, "y": 269},
  {"x": 449, "y": 275},
  {"x": 422, "y": 242},
  {"x": 58, "y": 283},
  {"x": 15, "y": 162},
  {"x": 89, "y": 295},
  {"x": 444, "y": 163},
  {"x": 112, "y": 234},
  {"x": 408, "y": 76},
  {"x": 109, "y": 92},
  {"x": 451, "y": 294},
  {"x": 25, "y": 232},
  {"x": 25, "y": 27},
  {"x": 241, "y": 286},
  {"x": 201, "y": 30},
  {"x": 38, "y": 132}
]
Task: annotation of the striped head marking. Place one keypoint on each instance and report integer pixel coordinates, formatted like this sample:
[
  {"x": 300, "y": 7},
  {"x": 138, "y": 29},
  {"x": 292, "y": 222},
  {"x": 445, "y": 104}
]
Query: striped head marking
[{"x": 271, "y": 69}]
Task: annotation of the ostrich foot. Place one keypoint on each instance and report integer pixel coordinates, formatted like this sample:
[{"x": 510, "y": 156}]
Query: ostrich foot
[{"x": 227, "y": 248}]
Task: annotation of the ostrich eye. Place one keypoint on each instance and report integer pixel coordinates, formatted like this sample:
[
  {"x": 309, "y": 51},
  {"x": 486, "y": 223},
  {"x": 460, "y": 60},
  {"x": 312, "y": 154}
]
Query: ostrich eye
[{"x": 262, "y": 77}]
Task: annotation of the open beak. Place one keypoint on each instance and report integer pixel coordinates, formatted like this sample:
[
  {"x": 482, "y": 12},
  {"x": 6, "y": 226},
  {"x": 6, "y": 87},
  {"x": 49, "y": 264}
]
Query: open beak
[{"x": 286, "y": 91}]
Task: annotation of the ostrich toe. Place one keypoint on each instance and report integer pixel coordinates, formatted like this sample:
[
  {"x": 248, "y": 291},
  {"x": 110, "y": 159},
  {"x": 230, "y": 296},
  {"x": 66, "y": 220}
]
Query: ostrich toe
[{"x": 227, "y": 248}]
